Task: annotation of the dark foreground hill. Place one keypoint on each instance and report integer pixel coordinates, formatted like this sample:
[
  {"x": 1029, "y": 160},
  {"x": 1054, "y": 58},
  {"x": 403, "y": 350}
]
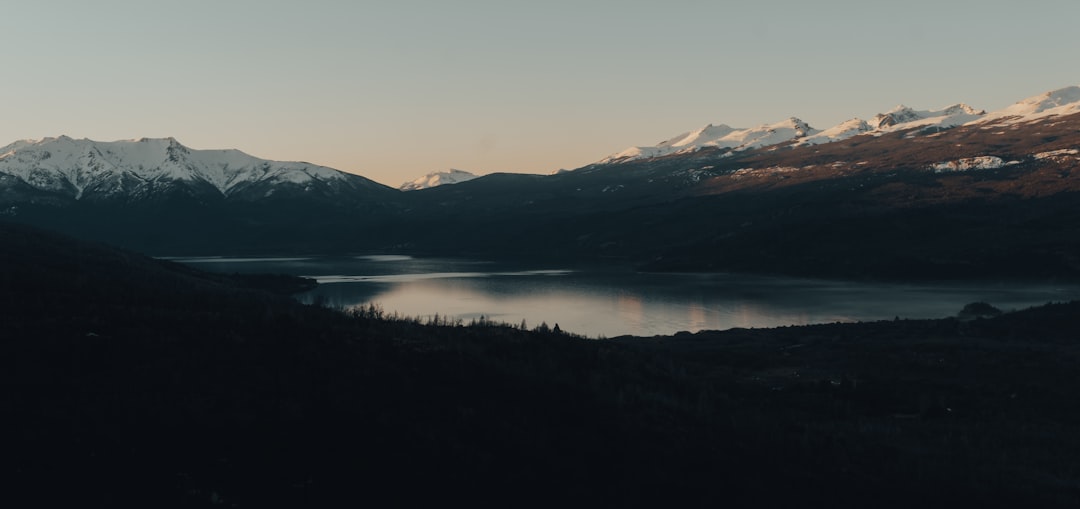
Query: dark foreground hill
[{"x": 132, "y": 382}]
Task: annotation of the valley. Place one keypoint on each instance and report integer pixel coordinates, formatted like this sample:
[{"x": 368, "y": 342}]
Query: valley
[
  {"x": 141, "y": 382},
  {"x": 540, "y": 254},
  {"x": 147, "y": 382}
]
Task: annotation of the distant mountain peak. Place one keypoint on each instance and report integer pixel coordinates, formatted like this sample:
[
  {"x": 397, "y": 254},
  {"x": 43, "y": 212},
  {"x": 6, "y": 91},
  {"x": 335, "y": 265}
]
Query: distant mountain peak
[
  {"x": 898, "y": 115},
  {"x": 438, "y": 178},
  {"x": 1063, "y": 101},
  {"x": 963, "y": 108},
  {"x": 801, "y": 128},
  {"x": 841, "y": 131},
  {"x": 147, "y": 166},
  {"x": 1061, "y": 96},
  {"x": 720, "y": 136}
]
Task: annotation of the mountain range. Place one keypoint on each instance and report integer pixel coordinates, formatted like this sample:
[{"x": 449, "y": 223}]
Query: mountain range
[
  {"x": 956, "y": 191},
  {"x": 796, "y": 132},
  {"x": 140, "y": 169}
]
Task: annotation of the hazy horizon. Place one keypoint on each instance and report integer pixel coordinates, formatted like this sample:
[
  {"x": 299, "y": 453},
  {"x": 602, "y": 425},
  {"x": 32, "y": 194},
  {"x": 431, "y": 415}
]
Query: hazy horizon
[{"x": 393, "y": 91}]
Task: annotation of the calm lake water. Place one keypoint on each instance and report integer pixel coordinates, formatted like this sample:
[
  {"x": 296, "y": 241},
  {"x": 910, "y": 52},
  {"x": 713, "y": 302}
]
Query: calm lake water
[{"x": 610, "y": 302}]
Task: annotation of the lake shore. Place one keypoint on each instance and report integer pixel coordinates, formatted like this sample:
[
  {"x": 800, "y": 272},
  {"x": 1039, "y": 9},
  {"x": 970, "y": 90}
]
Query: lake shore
[{"x": 608, "y": 301}]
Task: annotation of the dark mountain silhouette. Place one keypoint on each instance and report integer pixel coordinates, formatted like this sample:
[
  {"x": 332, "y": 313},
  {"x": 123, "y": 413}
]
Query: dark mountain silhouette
[{"x": 869, "y": 206}]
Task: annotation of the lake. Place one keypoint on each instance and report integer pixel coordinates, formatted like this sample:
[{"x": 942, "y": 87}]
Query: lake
[{"x": 607, "y": 302}]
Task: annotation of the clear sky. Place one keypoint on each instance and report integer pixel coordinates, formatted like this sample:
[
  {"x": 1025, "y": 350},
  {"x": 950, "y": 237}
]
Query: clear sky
[{"x": 393, "y": 90}]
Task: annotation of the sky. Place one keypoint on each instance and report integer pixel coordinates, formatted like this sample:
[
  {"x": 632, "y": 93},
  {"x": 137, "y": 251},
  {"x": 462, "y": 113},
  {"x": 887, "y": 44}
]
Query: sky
[{"x": 394, "y": 90}]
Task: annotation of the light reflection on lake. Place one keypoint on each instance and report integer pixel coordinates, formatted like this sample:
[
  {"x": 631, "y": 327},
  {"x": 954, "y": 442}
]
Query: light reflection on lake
[{"x": 609, "y": 302}]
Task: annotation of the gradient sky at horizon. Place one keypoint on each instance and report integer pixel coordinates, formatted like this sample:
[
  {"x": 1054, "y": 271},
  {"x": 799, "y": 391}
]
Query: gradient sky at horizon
[{"x": 394, "y": 90}]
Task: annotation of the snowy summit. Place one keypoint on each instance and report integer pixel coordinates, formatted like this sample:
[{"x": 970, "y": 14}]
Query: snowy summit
[
  {"x": 1064, "y": 101},
  {"x": 438, "y": 178},
  {"x": 92, "y": 169},
  {"x": 720, "y": 136}
]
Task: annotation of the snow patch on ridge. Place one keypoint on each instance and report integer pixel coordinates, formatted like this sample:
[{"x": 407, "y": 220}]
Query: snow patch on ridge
[
  {"x": 972, "y": 163},
  {"x": 770, "y": 171},
  {"x": 1057, "y": 155}
]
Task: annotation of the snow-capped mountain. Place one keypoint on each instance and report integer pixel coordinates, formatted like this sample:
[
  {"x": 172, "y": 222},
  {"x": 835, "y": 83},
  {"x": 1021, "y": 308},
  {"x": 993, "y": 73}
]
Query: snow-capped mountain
[
  {"x": 903, "y": 117},
  {"x": 87, "y": 169},
  {"x": 800, "y": 133},
  {"x": 842, "y": 131},
  {"x": 897, "y": 119},
  {"x": 720, "y": 136},
  {"x": 1063, "y": 101},
  {"x": 438, "y": 178}
]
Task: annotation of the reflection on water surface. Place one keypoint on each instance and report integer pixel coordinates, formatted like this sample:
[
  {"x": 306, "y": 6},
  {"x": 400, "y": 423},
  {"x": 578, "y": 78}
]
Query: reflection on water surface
[{"x": 608, "y": 302}]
